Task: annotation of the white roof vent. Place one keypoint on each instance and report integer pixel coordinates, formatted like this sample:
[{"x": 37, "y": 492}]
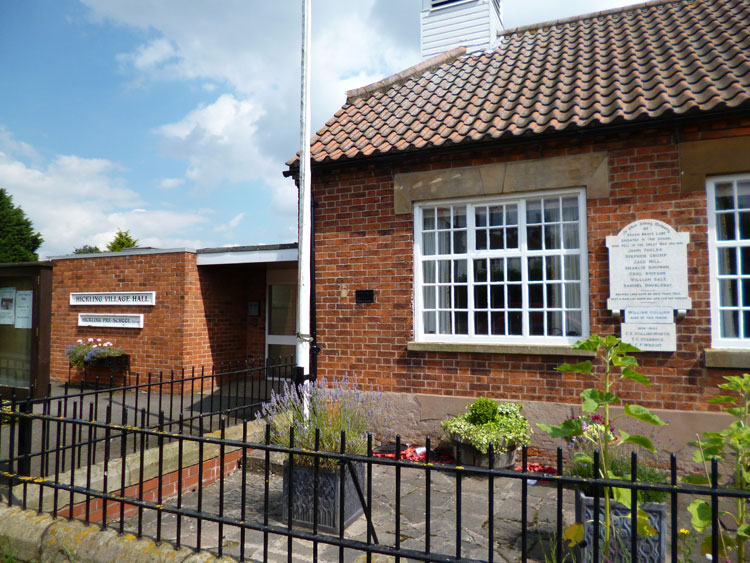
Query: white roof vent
[{"x": 474, "y": 24}]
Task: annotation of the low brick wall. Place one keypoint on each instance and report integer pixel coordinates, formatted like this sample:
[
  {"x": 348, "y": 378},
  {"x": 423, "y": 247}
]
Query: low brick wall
[{"x": 212, "y": 469}]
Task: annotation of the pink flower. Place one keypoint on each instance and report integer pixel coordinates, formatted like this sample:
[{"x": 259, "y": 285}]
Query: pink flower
[
  {"x": 98, "y": 339},
  {"x": 91, "y": 339},
  {"x": 79, "y": 341},
  {"x": 108, "y": 344}
]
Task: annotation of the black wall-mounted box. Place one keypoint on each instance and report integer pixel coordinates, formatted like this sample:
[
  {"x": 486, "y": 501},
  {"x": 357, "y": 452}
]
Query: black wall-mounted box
[{"x": 364, "y": 296}]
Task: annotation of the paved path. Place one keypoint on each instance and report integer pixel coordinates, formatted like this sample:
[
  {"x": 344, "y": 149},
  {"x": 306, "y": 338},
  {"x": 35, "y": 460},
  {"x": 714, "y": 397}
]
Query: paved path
[{"x": 474, "y": 533}]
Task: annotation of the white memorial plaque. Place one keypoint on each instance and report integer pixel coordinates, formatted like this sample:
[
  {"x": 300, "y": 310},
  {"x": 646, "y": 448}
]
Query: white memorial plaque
[
  {"x": 109, "y": 320},
  {"x": 114, "y": 298},
  {"x": 648, "y": 267},
  {"x": 649, "y": 315},
  {"x": 650, "y": 337}
]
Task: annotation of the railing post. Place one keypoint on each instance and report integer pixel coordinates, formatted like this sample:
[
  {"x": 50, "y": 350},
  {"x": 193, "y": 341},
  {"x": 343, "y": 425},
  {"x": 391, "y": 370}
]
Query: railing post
[
  {"x": 298, "y": 375},
  {"x": 24, "y": 438}
]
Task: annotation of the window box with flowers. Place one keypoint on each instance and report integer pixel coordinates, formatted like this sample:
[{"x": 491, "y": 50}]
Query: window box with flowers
[{"x": 98, "y": 360}]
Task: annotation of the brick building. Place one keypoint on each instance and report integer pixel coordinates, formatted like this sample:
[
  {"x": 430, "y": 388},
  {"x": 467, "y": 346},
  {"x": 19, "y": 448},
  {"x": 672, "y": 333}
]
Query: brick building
[
  {"x": 210, "y": 306},
  {"x": 474, "y": 193}
]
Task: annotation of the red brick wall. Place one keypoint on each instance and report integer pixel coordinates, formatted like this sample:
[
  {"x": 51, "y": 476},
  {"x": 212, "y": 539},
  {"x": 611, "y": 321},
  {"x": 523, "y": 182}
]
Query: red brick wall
[
  {"x": 156, "y": 347},
  {"x": 218, "y": 328},
  {"x": 361, "y": 243},
  {"x": 200, "y": 317}
]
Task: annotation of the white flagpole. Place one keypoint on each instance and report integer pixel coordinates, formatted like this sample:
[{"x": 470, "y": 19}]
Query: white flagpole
[{"x": 305, "y": 197}]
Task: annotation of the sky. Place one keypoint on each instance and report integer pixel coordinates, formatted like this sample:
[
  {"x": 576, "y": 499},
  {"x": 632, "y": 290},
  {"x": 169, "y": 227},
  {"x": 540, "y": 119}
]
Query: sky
[{"x": 173, "y": 119}]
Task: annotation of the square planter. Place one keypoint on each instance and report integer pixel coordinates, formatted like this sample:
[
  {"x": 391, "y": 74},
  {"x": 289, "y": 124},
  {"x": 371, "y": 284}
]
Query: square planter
[
  {"x": 113, "y": 362},
  {"x": 328, "y": 496},
  {"x": 651, "y": 549},
  {"x": 103, "y": 370}
]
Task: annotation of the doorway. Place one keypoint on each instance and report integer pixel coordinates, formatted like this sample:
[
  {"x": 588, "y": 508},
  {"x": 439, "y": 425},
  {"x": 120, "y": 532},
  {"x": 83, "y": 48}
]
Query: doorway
[{"x": 281, "y": 327}]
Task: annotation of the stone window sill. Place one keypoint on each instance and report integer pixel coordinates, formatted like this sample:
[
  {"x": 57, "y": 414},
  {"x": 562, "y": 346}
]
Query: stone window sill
[
  {"x": 734, "y": 359},
  {"x": 518, "y": 349}
]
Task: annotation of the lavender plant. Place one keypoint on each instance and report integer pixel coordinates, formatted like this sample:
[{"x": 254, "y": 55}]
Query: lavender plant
[{"x": 332, "y": 407}]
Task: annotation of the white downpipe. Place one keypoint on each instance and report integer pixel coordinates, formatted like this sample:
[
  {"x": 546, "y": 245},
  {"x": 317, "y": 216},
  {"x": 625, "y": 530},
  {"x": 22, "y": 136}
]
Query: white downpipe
[{"x": 305, "y": 197}]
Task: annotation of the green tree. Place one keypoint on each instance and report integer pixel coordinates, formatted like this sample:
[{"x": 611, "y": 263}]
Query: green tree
[
  {"x": 18, "y": 241},
  {"x": 122, "y": 240},
  {"x": 87, "y": 249}
]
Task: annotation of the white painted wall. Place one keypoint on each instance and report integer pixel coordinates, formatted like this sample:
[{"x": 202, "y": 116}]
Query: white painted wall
[{"x": 474, "y": 24}]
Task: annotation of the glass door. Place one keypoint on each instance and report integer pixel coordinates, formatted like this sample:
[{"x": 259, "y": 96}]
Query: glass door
[{"x": 281, "y": 325}]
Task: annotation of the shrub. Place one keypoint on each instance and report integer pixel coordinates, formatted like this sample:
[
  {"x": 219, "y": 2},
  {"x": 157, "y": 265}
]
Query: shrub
[
  {"x": 331, "y": 408},
  {"x": 482, "y": 411},
  {"x": 506, "y": 430}
]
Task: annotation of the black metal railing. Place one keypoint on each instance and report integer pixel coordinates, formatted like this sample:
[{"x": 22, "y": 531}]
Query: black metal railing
[
  {"x": 164, "y": 482},
  {"x": 192, "y": 400}
]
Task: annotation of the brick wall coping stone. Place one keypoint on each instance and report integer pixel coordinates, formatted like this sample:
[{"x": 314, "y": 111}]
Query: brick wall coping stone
[
  {"x": 133, "y": 252},
  {"x": 30, "y": 536}
]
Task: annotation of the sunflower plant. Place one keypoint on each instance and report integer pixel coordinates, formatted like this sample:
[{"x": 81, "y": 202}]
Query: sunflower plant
[{"x": 618, "y": 365}]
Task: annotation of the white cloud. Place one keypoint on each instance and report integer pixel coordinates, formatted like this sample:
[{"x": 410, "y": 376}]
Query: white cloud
[
  {"x": 74, "y": 201},
  {"x": 218, "y": 142},
  {"x": 170, "y": 183},
  {"x": 150, "y": 55},
  {"x": 13, "y": 147},
  {"x": 250, "y": 53},
  {"x": 232, "y": 224}
]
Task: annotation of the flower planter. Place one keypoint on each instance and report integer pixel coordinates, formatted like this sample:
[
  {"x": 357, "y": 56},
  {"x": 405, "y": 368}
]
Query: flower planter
[
  {"x": 328, "y": 496},
  {"x": 103, "y": 370},
  {"x": 469, "y": 455},
  {"x": 650, "y": 549},
  {"x": 112, "y": 362}
]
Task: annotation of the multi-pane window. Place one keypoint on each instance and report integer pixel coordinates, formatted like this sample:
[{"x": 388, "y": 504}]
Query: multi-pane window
[
  {"x": 729, "y": 245},
  {"x": 507, "y": 270}
]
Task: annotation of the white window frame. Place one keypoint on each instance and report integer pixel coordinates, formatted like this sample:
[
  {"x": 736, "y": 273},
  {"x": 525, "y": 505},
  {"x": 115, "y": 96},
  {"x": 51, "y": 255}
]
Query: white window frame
[
  {"x": 525, "y": 337},
  {"x": 714, "y": 245}
]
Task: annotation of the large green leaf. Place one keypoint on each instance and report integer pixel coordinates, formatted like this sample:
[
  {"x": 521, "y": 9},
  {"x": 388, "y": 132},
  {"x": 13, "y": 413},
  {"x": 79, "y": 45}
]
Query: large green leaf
[
  {"x": 593, "y": 399},
  {"x": 643, "y": 414},
  {"x": 707, "y": 452},
  {"x": 695, "y": 479},
  {"x": 637, "y": 440},
  {"x": 580, "y": 367},
  {"x": 621, "y": 495},
  {"x": 592, "y": 343},
  {"x": 569, "y": 428},
  {"x": 625, "y": 348},
  {"x": 632, "y": 375},
  {"x": 744, "y": 531},
  {"x": 573, "y": 534},
  {"x": 626, "y": 361},
  {"x": 644, "y": 528},
  {"x": 723, "y": 399},
  {"x": 735, "y": 412},
  {"x": 700, "y": 512}
]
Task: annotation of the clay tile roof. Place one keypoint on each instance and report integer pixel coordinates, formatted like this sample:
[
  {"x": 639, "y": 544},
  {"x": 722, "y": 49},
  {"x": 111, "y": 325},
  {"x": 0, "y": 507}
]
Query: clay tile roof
[{"x": 658, "y": 59}]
